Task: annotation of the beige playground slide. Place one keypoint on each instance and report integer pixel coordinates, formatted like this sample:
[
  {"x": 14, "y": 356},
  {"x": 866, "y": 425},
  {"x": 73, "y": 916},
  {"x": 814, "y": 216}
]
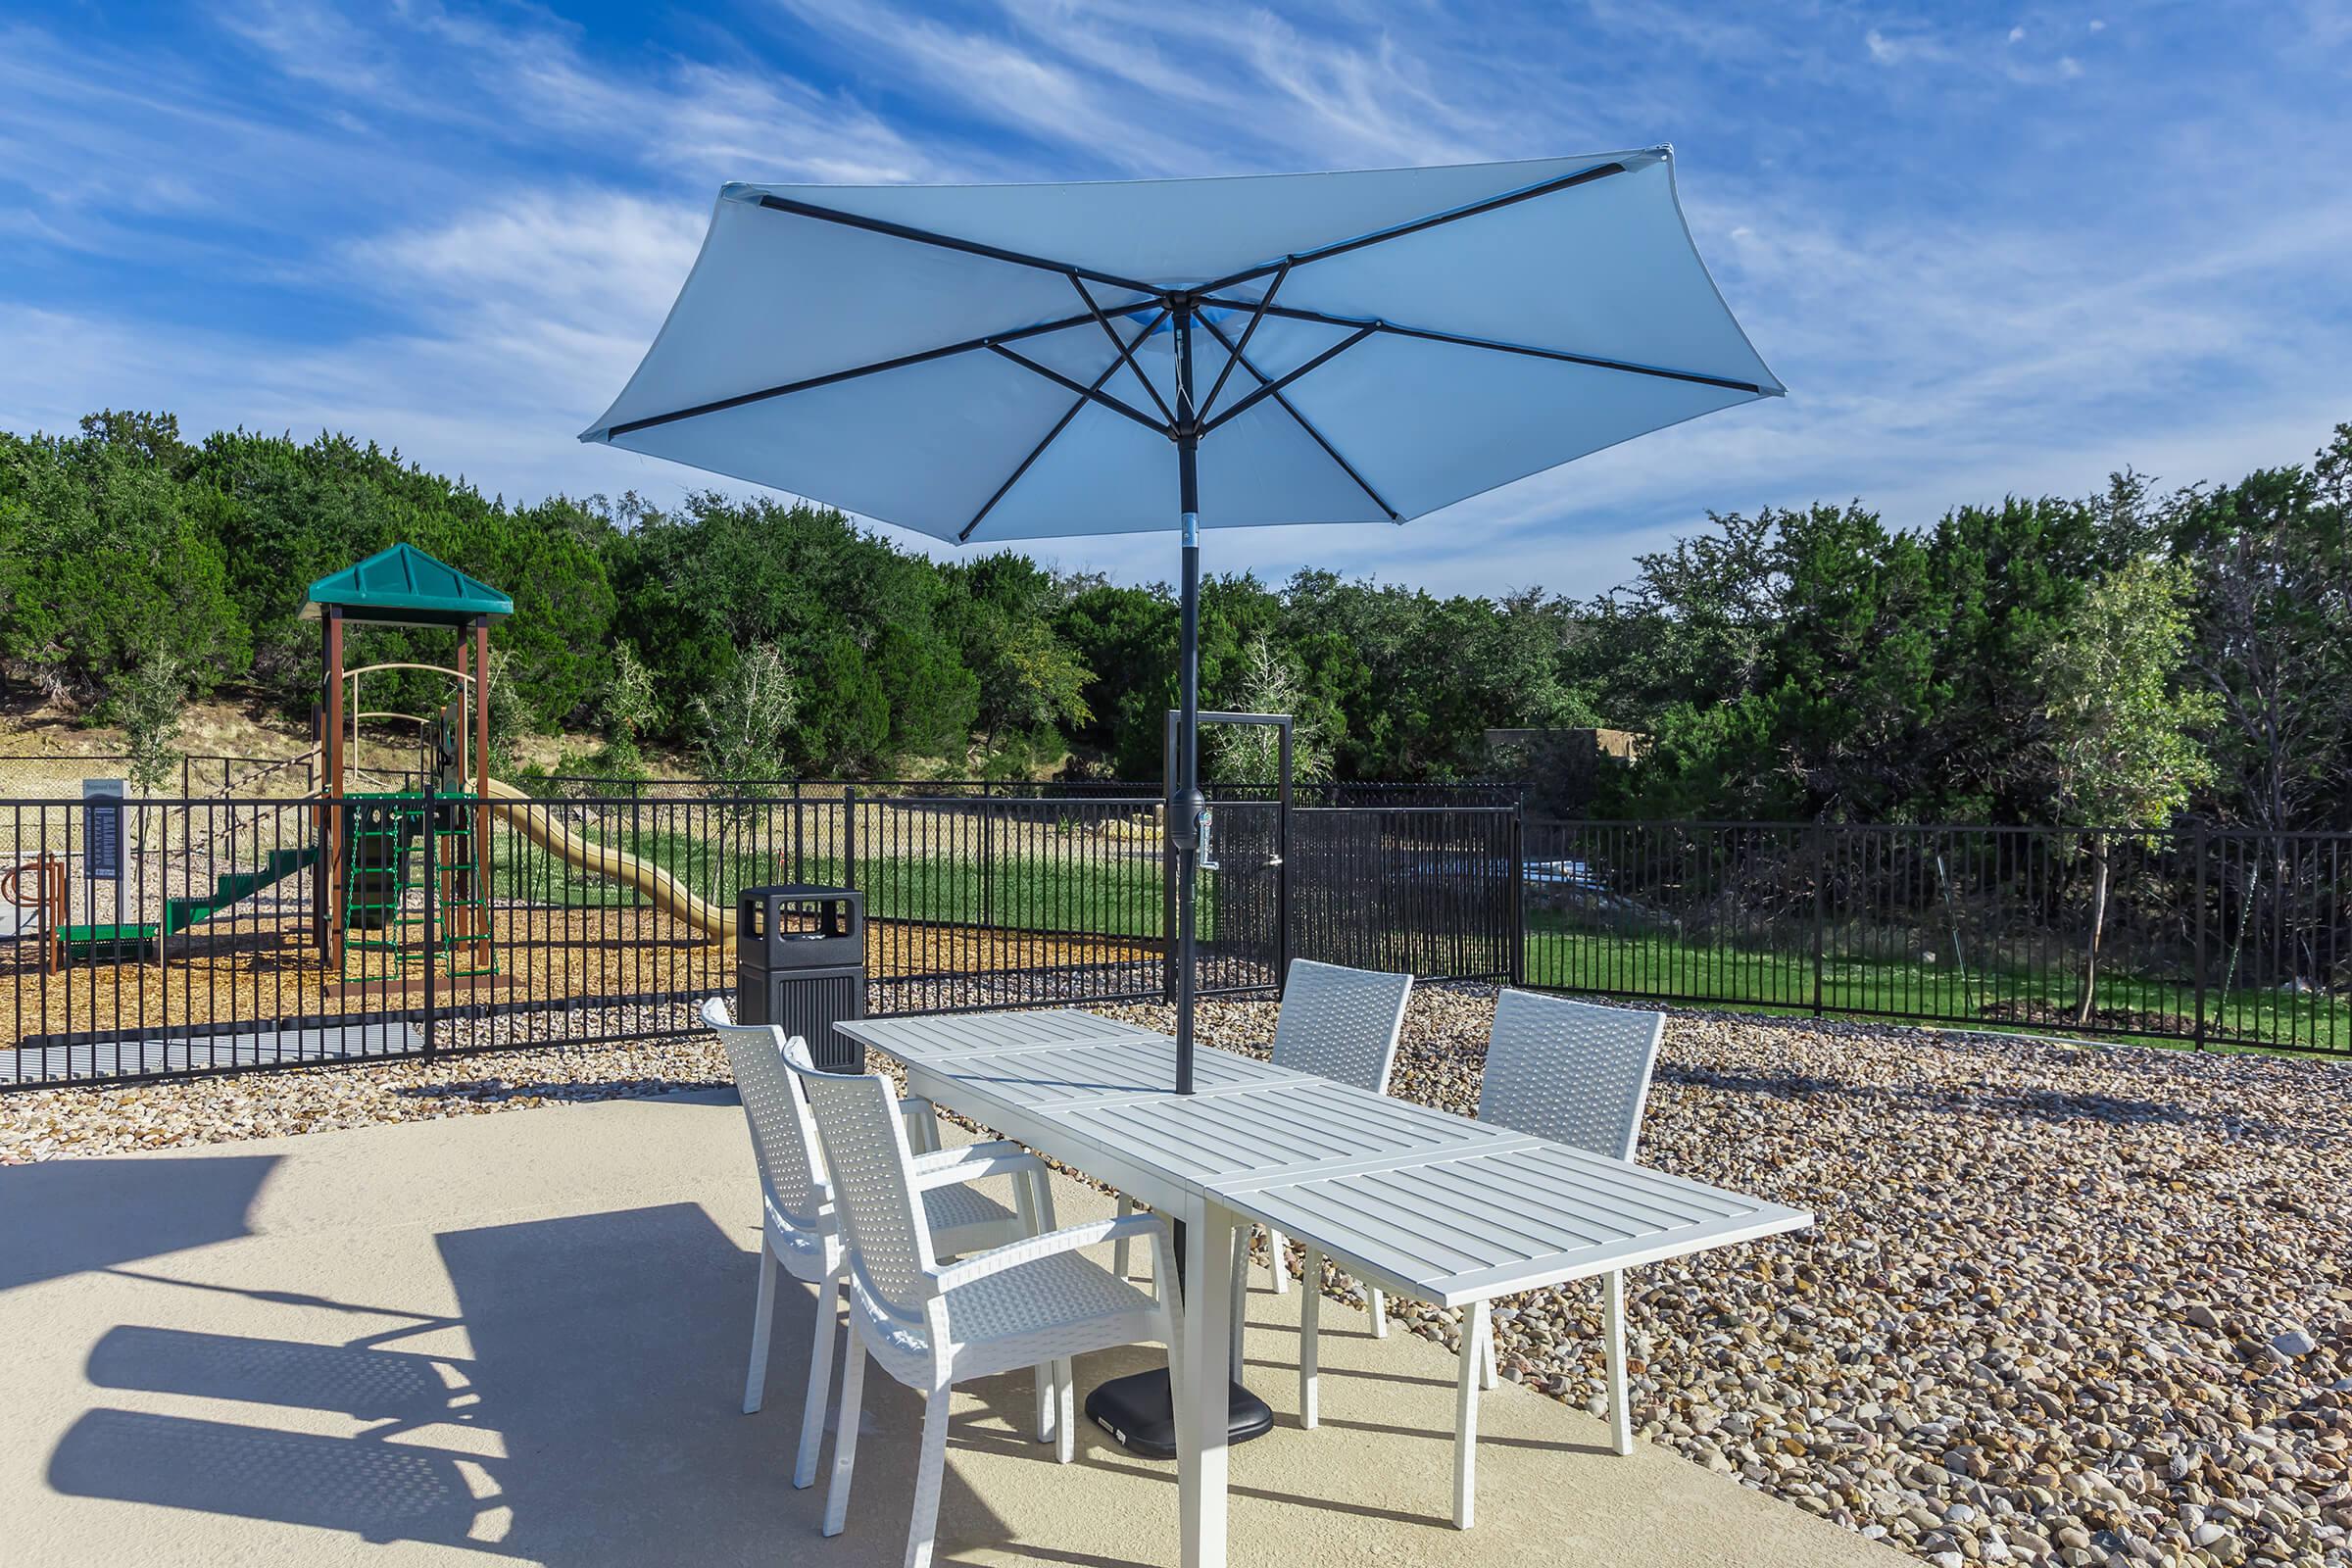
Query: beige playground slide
[{"x": 670, "y": 895}]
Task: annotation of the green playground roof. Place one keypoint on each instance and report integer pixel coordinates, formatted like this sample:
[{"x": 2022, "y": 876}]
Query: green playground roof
[{"x": 403, "y": 586}]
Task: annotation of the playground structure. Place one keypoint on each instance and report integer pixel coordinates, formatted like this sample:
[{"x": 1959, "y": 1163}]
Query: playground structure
[
  {"x": 409, "y": 881},
  {"x": 454, "y": 910}
]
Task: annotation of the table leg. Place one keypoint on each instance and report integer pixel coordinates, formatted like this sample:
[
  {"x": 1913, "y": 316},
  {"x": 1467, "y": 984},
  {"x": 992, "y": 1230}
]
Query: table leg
[
  {"x": 1621, "y": 1415},
  {"x": 1205, "y": 1392}
]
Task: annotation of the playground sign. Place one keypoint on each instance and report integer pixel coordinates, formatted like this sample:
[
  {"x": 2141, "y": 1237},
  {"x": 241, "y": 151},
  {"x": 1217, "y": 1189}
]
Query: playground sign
[{"x": 102, "y": 829}]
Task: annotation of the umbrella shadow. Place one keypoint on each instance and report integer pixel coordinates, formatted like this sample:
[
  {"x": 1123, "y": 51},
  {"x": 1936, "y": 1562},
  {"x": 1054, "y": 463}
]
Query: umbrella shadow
[{"x": 72, "y": 1216}]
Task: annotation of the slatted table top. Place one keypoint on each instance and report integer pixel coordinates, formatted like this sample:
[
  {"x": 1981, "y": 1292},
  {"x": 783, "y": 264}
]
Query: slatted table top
[{"x": 1431, "y": 1205}]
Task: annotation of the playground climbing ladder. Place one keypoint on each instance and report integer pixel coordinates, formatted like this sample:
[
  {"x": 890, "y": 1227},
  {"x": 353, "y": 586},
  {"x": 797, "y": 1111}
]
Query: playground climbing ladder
[{"x": 391, "y": 855}]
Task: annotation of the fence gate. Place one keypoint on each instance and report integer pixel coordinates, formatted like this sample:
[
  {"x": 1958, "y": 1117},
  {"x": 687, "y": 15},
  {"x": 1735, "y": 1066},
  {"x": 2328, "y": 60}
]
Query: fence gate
[{"x": 1244, "y": 894}]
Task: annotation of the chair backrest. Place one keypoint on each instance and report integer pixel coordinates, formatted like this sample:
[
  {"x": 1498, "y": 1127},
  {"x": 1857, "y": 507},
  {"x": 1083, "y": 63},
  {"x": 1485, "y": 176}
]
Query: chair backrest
[
  {"x": 874, "y": 1195},
  {"x": 1341, "y": 1023},
  {"x": 1570, "y": 1071},
  {"x": 783, "y": 1136}
]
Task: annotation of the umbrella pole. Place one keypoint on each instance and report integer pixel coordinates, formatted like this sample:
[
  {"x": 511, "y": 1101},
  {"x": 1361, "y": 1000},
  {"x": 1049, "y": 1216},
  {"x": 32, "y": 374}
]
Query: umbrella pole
[
  {"x": 1139, "y": 1410},
  {"x": 1187, "y": 803}
]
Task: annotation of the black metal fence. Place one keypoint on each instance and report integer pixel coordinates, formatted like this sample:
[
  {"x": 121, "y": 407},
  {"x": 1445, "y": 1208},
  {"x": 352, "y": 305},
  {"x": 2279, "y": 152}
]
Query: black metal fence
[
  {"x": 160, "y": 937},
  {"x": 2207, "y": 935}
]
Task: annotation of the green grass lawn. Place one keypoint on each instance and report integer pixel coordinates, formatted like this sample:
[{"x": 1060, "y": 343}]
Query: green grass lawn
[
  {"x": 1084, "y": 889},
  {"x": 1083, "y": 892},
  {"x": 1999, "y": 997}
]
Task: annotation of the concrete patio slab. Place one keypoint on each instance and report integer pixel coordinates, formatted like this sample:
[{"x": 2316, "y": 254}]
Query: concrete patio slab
[{"x": 521, "y": 1336}]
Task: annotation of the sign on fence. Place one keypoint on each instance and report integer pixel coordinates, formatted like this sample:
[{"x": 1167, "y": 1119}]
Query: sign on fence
[{"x": 102, "y": 829}]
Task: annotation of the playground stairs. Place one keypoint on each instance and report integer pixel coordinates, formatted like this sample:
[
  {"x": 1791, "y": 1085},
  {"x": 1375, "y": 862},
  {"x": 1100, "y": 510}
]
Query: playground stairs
[
  {"x": 385, "y": 851},
  {"x": 121, "y": 939}
]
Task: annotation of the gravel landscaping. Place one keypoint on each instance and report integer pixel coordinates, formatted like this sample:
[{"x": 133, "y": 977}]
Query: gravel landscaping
[{"x": 2063, "y": 1305}]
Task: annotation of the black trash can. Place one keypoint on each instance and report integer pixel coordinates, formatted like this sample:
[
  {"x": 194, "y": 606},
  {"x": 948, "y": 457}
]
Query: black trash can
[{"x": 800, "y": 956}]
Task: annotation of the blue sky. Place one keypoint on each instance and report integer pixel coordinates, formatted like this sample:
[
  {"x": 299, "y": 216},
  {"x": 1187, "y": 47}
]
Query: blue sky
[{"x": 1989, "y": 249}]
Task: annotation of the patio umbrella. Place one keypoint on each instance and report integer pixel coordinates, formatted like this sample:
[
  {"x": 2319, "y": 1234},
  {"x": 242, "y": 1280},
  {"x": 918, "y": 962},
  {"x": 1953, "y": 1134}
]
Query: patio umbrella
[{"x": 993, "y": 362}]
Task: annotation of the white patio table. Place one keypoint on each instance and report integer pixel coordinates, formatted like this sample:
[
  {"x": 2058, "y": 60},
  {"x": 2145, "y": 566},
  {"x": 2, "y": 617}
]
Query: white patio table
[{"x": 1435, "y": 1206}]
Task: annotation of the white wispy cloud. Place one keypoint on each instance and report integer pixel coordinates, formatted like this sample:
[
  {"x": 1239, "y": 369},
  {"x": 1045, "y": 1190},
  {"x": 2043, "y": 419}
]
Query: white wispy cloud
[{"x": 453, "y": 229}]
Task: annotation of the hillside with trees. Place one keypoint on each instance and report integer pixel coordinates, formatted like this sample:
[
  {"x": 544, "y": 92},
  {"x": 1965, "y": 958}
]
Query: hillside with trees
[{"x": 1790, "y": 663}]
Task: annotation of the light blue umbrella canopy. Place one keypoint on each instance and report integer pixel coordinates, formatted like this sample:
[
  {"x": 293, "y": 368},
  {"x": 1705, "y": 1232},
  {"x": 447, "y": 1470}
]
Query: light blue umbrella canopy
[
  {"x": 942, "y": 358},
  {"x": 991, "y": 363}
]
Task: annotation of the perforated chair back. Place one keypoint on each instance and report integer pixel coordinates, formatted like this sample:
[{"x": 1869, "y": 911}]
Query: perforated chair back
[
  {"x": 1570, "y": 1071},
  {"x": 783, "y": 1136},
  {"x": 874, "y": 1195},
  {"x": 1341, "y": 1023}
]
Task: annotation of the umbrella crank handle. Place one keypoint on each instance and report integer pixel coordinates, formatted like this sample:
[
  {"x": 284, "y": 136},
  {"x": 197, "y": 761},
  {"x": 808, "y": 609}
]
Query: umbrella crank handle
[{"x": 1191, "y": 826}]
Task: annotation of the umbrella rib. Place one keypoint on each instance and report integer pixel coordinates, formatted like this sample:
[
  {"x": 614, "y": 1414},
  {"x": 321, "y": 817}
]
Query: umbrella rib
[
  {"x": 1094, "y": 393},
  {"x": 1255, "y": 316},
  {"x": 969, "y": 247},
  {"x": 1126, "y": 355},
  {"x": 1399, "y": 232},
  {"x": 1279, "y": 382},
  {"x": 1051, "y": 436},
  {"x": 1494, "y": 345},
  {"x": 1287, "y": 407},
  {"x": 901, "y": 363}
]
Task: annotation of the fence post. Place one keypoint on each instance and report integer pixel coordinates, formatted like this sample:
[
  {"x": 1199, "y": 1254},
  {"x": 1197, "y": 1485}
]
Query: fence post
[
  {"x": 849, "y": 836},
  {"x": 988, "y": 858},
  {"x": 2198, "y": 849},
  {"x": 1518, "y": 841},
  {"x": 433, "y": 886},
  {"x": 1821, "y": 906}
]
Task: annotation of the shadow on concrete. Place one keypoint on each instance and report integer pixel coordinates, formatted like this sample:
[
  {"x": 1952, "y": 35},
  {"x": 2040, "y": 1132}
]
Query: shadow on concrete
[
  {"x": 69, "y": 1216},
  {"x": 367, "y": 1384},
  {"x": 605, "y": 1365}
]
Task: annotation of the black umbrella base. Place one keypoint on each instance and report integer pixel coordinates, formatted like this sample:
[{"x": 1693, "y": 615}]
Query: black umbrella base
[{"x": 1140, "y": 1413}]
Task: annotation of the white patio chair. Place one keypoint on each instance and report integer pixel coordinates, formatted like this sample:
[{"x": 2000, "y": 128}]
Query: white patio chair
[
  {"x": 799, "y": 1229},
  {"x": 1034, "y": 1302},
  {"x": 1578, "y": 1074}
]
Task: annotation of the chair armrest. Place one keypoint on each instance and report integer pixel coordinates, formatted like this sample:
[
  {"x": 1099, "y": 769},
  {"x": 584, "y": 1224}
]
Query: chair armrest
[
  {"x": 1069, "y": 1239},
  {"x": 950, "y": 1167}
]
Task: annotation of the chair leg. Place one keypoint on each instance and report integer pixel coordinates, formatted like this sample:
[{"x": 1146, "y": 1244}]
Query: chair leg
[
  {"x": 1042, "y": 1199},
  {"x": 1188, "y": 1439},
  {"x": 1278, "y": 1262},
  {"x": 1465, "y": 1422},
  {"x": 1121, "y": 1256},
  {"x": 1047, "y": 1382},
  {"x": 1621, "y": 1415},
  {"x": 1380, "y": 1316},
  {"x": 764, "y": 1317},
  {"x": 930, "y": 1472},
  {"x": 1241, "y": 1292},
  {"x": 820, "y": 1378},
  {"x": 1065, "y": 1394},
  {"x": 1310, "y": 1325},
  {"x": 844, "y": 1437}
]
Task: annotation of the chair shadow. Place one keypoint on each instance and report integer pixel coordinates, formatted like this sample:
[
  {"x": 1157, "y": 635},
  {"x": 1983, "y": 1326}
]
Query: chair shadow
[
  {"x": 1291, "y": 1370},
  {"x": 367, "y": 1384},
  {"x": 605, "y": 1358},
  {"x": 1486, "y": 1440},
  {"x": 379, "y": 1492}
]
